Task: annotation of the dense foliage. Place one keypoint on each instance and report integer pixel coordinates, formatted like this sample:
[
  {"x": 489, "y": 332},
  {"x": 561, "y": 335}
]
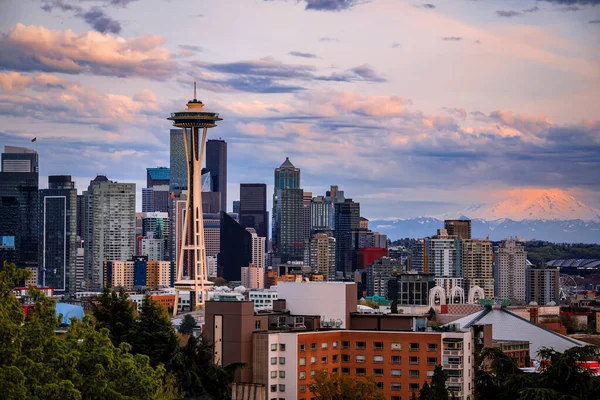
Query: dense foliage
[
  {"x": 187, "y": 325},
  {"x": 343, "y": 387}
]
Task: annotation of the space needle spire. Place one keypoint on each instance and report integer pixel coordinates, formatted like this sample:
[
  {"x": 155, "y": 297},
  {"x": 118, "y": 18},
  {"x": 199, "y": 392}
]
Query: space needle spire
[{"x": 191, "y": 249}]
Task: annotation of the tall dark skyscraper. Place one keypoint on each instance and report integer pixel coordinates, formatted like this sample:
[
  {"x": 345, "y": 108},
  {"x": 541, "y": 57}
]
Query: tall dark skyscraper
[
  {"x": 178, "y": 167},
  {"x": 346, "y": 219},
  {"x": 288, "y": 214},
  {"x": 216, "y": 163},
  {"x": 80, "y": 216},
  {"x": 58, "y": 234},
  {"x": 19, "y": 205},
  {"x": 458, "y": 227},
  {"x": 235, "y": 249},
  {"x": 253, "y": 208}
]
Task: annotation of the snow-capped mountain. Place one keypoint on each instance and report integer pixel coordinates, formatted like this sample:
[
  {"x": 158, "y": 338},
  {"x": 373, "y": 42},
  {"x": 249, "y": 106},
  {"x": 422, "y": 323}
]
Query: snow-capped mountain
[{"x": 534, "y": 204}]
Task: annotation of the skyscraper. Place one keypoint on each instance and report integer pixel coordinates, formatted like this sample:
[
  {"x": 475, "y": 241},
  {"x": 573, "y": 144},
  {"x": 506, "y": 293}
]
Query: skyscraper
[
  {"x": 288, "y": 214},
  {"x": 158, "y": 176},
  {"x": 346, "y": 219},
  {"x": 111, "y": 225},
  {"x": 253, "y": 208},
  {"x": 442, "y": 255},
  {"x": 155, "y": 228},
  {"x": 155, "y": 197},
  {"x": 19, "y": 206},
  {"x": 458, "y": 227},
  {"x": 236, "y": 249},
  {"x": 322, "y": 255},
  {"x": 216, "y": 163},
  {"x": 80, "y": 216},
  {"x": 543, "y": 285},
  {"x": 477, "y": 260},
  {"x": 510, "y": 266},
  {"x": 258, "y": 249},
  {"x": 58, "y": 234},
  {"x": 178, "y": 170}
]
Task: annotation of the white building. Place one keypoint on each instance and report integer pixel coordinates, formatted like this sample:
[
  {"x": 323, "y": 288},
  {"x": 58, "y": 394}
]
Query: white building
[
  {"x": 510, "y": 265},
  {"x": 211, "y": 266},
  {"x": 442, "y": 255},
  {"x": 263, "y": 299},
  {"x": 253, "y": 277},
  {"x": 258, "y": 249},
  {"x": 153, "y": 248}
]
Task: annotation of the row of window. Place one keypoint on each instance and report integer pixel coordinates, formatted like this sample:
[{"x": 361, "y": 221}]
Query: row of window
[
  {"x": 359, "y": 345},
  {"x": 274, "y": 360},
  {"x": 359, "y": 358},
  {"x": 394, "y": 373}
]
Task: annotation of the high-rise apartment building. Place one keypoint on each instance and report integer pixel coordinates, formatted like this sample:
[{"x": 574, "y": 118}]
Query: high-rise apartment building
[
  {"x": 58, "y": 234},
  {"x": 158, "y": 176},
  {"x": 322, "y": 255},
  {"x": 216, "y": 164},
  {"x": 288, "y": 216},
  {"x": 306, "y": 200},
  {"x": 258, "y": 249},
  {"x": 80, "y": 216},
  {"x": 477, "y": 262},
  {"x": 543, "y": 285},
  {"x": 510, "y": 267},
  {"x": 155, "y": 236},
  {"x": 138, "y": 272},
  {"x": 80, "y": 267},
  {"x": 322, "y": 210},
  {"x": 19, "y": 206},
  {"x": 212, "y": 233},
  {"x": 111, "y": 225},
  {"x": 458, "y": 227},
  {"x": 442, "y": 255},
  {"x": 379, "y": 273},
  {"x": 253, "y": 277},
  {"x": 346, "y": 220},
  {"x": 253, "y": 208}
]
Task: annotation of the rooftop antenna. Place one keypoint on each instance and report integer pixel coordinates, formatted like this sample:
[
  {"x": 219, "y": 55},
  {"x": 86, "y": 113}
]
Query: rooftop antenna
[{"x": 194, "y": 90}]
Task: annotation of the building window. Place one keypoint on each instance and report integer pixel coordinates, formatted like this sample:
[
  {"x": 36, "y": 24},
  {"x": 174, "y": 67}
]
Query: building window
[
  {"x": 282, "y": 347},
  {"x": 323, "y": 359},
  {"x": 345, "y": 371},
  {"x": 334, "y": 371},
  {"x": 378, "y": 372},
  {"x": 282, "y": 388},
  {"x": 360, "y": 359},
  {"x": 324, "y": 346},
  {"x": 432, "y": 346},
  {"x": 413, "y": 347},
  {"x": 302, "y": 375},
  {"x": 396, "y": 346},
  {"x": 361, "y": 345},
  {"x": 273, "y": 374},
  {"x": 312, "y": 373},
  {"x": 396, "y": 373},
  {"x": 273, "y": 388},
  {"x": 413, "y": 387},
  {"x": 377, "y": 359},
  {"x": 395, "y": 398},
  {"x": 257, "y": 324},
  {"x": 282, "y": 360},
  {"x": 273, "y": 360},
  {"x": 380, "y": 385},
  {"x": 430, "y": 374},
  {"x": 361, "y": 371},
  {"x": 302, "y": 361},
  {"x": 377, "y": 345},
  {"x": 313, "y": 346},
  {"x": 345, "y": 357},
  {"x": 313, "y": 360},
  {"x": 334, "y": 358},
  {"x": 334, "y": 345},
  {"x": 282, "y": 374},
  {"x": 396, "y": 386},
  {"x": 432, "y": 360},
  {"x": 413, "y": 360},
  {"x": 345, "y": 345},
  {"x": 413, "y": 373},
  {"x": 302, "y": 347},
  {"x": 302, "y": 388},
  {"x": 396, "y": 359},
  {"x": 274, "y": 347}
]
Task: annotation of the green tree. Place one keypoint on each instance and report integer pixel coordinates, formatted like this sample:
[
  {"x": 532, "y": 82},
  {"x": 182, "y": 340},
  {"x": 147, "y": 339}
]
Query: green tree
[
  {"x": 220, "y": 282},
  {"x": 153, "y": 333},
  {"x": 114, "y": 312},
  {"x": 344, "y": 387},
  {"x": 187, "y": 325}
]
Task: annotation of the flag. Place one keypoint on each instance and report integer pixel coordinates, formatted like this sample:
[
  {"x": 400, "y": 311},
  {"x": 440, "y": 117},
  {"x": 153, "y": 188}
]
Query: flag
[{"x": 34, "y": 139}]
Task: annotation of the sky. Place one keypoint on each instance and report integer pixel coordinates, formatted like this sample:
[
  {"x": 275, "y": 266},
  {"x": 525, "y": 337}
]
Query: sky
[{"x": 412, "y": 108}]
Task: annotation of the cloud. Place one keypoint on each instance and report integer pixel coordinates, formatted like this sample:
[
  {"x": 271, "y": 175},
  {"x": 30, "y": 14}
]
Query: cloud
[
  {"x": 264, "y": 67},
  {"x": 395, "y": 45},
  {"x": 303, "y": 55},
  {"x": 364, "y": 73},
  {"x": 36, "y": 48},
  {"x": 532, "y": 9},
  {"x": 507, "y": 14},
  {"x": 574, "y": 2},
  {"x": 100, "y": 21},
  {"x": 460, "y": 112},
  {"x": 595, "y": 21},
  {"x": 477, "y": 42},
  {"x": 328, "y": 39},
  {"x": 191, "y": 47},
  {"x": 49, "y": 5},
  {"x": 331, "y": 5},
  {"x": 452, "y": 38},
  {"x": 430, "y": 6}
]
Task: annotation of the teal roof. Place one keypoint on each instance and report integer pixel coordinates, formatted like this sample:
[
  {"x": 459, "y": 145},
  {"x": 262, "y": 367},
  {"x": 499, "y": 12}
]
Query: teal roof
[{"x": 159, "y": 173}]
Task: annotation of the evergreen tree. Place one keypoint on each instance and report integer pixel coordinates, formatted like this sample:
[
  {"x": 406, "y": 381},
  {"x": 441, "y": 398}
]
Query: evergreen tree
[
  {"x": 114, "y": 312},
  {"x": 153, "y": 333},
  {"x": 343, "y": 387},
  {"x": 438, "y": 384},
  {"x": 187, "y": 325}
]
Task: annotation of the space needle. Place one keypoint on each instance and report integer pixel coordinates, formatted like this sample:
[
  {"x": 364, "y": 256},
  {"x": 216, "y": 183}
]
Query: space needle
[{"x": 197, "y": 120}]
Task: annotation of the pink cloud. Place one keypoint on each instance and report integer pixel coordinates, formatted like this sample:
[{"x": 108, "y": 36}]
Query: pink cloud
[{"x": 36, "y": 48}]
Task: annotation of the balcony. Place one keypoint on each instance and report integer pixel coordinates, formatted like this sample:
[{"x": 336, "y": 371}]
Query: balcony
[
  {"x": 455, "y": 380},
  {"x": 453, "y": 366},
  {"x": 453, "y": 352}
]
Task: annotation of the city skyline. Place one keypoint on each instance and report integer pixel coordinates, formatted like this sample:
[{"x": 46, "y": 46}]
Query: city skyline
[{"x": 411, "y": 108}]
